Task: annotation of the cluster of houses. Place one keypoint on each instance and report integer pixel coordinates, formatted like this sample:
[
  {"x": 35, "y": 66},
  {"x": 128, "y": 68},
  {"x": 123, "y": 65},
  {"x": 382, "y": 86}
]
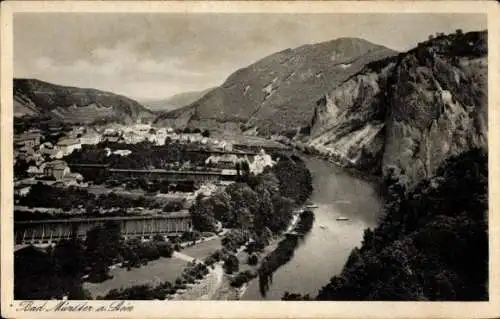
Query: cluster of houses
[
  {"x": 49, "y": 173},
  {"x": 138, "y": 133},
  {"x": 45, "y": 157},
  {"x": 45, "y": 162},
  {"x": 31, "y": 143}
]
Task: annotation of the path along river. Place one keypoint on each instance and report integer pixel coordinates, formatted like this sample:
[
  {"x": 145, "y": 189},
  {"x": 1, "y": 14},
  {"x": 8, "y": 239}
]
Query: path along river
[{"x": 327, "y": 247}]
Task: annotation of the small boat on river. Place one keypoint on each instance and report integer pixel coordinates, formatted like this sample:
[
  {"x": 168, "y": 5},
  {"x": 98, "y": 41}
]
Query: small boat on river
[
  {"x": 342, "y": 218},
  {"x": 322, "y": 227}
]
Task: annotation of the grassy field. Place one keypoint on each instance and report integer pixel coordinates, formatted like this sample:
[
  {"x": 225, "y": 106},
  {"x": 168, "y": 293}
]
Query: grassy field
[
  {"x": 203, "y": 249},
  {"x": 155, "y": 272}
]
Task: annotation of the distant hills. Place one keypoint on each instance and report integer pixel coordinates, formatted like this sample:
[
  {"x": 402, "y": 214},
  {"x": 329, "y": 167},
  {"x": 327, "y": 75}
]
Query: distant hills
[
  {"x": 33, "y": 97},
  {"x": 274, "y": 94},
  {"x": 175, "y": 101}
]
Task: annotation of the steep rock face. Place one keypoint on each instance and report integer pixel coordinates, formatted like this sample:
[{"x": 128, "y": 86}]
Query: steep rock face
[
  {"x": 438, "y": 108},
  {"x": 70, "y": 104},
  {"x": 349, "y": 122},
  {"x": 274, "y": 94},
  {"x": 410, "y": 113}
]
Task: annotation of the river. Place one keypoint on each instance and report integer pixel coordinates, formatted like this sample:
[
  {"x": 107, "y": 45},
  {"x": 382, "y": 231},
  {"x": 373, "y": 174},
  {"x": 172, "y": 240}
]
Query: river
[{"x": 327, "y": 247}]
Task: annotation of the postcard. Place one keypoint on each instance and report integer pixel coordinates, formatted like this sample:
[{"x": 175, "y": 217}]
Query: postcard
[{"x": 249, "y": 159}]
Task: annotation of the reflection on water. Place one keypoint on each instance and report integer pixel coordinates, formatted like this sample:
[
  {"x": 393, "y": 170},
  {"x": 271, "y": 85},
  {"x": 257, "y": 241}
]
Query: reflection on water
[{"x": 324, "y": 251}]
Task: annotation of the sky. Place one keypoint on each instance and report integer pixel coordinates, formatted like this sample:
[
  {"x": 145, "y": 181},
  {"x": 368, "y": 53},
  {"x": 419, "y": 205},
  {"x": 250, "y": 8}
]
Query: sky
[{"x": 151, "y": 56}]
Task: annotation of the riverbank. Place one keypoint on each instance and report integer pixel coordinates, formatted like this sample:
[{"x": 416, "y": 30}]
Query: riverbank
[
  {"x": 326, "y": 248},
  {"x": 228, "y": 292},
  {"x": 355, "y": 172}
]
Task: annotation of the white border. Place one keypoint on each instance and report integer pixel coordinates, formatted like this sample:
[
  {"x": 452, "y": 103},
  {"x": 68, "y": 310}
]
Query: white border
[{"x": 267, "y": 309}]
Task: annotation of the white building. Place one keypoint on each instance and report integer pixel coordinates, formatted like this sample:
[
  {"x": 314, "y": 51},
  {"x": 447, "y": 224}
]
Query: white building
[
  {"x": 260, "y": 162},
  {"x": 57, "y": 169},
  {"x": 68, "y": 145},
  {"x": 132, "y": 137},
  {"x": 90, "y": 138}
]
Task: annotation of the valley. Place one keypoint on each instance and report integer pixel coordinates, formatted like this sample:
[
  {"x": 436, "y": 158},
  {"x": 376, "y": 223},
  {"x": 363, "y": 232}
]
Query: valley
[{"x": 373, "y": 143}]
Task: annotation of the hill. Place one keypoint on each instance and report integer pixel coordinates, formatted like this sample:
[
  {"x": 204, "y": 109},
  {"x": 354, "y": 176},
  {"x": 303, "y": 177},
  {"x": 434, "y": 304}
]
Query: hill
[
  {"x": 37, "y": 98},
  {"x": 274, "y": 94},
  {"x": 174, "y": 102}
]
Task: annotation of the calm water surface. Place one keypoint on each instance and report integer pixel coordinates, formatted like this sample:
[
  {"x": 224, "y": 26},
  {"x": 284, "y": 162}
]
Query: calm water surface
[{"x": 328, "y": 245}]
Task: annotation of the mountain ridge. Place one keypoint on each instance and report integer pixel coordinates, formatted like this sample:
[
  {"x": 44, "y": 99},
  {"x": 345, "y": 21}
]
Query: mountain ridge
[
  {"x": 263, "y": 94},
  {"x": 33, "y": 97},
  {"x": 175, "y": 101}
]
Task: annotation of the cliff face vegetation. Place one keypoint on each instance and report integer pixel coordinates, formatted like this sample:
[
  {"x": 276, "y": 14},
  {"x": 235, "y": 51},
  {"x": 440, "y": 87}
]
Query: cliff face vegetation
[
  {"x": 36, "y": 98},
  {"x": 408, "y": 113},
  {"x": 430, "y": 244}
]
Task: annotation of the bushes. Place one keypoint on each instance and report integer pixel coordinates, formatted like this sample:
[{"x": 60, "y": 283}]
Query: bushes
[
  {"x": 165, "y": 249},
  {"x": 173, "y": 206},
  {"x": 231, "y": 264},
  {"x": 190, "y": 236},
  {"x": 242, "y": 278},
  {"x": 192, "y": 272},
  {"x": 253, "y": 260},
  {"x": 141, "y": 292},
  {"x": 135, "y": 253},
  {"x": 235, "y": 239}
]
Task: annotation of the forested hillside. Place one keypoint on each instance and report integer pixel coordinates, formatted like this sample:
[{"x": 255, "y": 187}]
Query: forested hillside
[{"x": 431, "y": 243}]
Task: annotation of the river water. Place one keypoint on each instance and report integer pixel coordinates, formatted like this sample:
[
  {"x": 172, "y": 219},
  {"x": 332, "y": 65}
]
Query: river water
[{"x": 327, "y": 247}]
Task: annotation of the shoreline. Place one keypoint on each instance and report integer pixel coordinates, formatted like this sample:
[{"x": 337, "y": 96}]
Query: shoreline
[{"x": 240, "y": 291}]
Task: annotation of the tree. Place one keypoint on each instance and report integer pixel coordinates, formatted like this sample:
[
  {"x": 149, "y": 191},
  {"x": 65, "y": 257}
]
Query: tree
[
  {"x": 205, "y": 133},
  {"x": 253, "y": 259},
  {"x": 202, "y": 215},
  {"x": 264, "y": 215},
  {"x": 102, "y": 244},
  {"x": 21, "y": 168},
  {"x": 165, "y": 249},
  {"x": 231, "y": 264}
]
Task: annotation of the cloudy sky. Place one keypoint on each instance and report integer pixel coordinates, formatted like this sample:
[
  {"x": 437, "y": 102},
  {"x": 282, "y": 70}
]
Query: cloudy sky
[{"x": 153, "y": 56}]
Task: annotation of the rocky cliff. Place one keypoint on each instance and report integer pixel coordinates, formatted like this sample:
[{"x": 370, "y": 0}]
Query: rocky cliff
[
  {"x": 74, "y": 105},
  {"x": 409, "y": 113}
]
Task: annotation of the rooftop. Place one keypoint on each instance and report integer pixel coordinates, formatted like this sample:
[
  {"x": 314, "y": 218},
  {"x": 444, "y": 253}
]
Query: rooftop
[
  {"x": 181, "y": 213},
  {"x": 27, "y": 136},
  {"x": 68, "y": 141}
]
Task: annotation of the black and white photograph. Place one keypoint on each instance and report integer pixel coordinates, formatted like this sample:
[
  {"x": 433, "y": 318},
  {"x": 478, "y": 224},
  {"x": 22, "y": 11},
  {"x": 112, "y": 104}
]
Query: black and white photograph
[{"x": 248, "y": 156}]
